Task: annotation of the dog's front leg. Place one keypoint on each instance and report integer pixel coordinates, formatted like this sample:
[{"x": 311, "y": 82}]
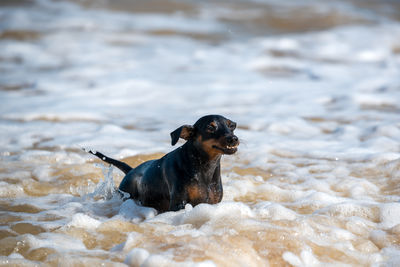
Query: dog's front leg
[
  {"x": 177, "y": 200},
  {"x": 177, "y": 205}
]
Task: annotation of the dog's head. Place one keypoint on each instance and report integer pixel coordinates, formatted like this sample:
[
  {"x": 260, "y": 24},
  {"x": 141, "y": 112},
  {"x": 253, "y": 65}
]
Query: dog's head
[{"x": 213, "y": 133}]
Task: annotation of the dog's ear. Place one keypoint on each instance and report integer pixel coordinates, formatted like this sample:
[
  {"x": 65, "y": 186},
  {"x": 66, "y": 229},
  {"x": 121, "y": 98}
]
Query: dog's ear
[{"x": 184, "y": 132}]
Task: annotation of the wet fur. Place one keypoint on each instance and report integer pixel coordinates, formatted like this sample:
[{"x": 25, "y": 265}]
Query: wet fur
[{"x": 188, "y": 174}]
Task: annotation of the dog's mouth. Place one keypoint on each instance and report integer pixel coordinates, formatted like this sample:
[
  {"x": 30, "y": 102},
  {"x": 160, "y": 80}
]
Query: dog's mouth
[{"x": 228, "y": 149}]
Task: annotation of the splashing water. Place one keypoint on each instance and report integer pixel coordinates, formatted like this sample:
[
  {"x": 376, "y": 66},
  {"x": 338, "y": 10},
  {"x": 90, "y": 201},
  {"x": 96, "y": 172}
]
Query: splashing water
[{"x": 105, "y": 189}]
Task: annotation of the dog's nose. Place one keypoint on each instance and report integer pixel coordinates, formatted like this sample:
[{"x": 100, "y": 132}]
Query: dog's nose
[{"x": 232, "y": 139}]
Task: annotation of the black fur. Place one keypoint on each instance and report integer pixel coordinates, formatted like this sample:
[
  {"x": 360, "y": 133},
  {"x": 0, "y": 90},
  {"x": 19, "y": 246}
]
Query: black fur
[{"x": 189, "y": 174}]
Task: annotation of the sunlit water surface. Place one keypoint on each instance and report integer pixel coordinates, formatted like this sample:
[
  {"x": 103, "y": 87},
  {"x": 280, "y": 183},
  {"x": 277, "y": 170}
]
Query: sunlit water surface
[{"x": 313, "y": 85}]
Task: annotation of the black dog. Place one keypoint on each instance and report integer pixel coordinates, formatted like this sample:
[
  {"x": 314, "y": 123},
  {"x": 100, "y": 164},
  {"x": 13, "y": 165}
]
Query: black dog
[{"x": 189, "y": 174}]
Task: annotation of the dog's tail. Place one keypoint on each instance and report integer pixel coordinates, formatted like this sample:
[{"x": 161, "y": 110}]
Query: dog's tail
[{"x": 119, "y": 164}]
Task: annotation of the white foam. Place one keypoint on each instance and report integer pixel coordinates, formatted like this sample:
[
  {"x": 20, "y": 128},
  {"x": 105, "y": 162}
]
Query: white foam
[
  {"x": 349, "y": 209},
  {"x": 132, "y": 241},
  {"x": 136, "y": 257},
  {"x": 9, "y": 261},
  {"x": 341, "y": 234},
  {"x": 158, "y": 260},
  {"x": 278, "y": 194},
  {"x": 392, "y": 255},
  {"x": 132, "y": 211},
  {"x": 188, "y": 232},
  {"x": 221, "y": 212},
  {"x": 43, "y": 173},
  {"x": 380, "y": 238},
  {"x": 294, "y": 126},
  {"x": 389, "y": 215},
  {"x": 237, "y": 188},
  {"x": 359, "y": 226},
  {"x": 204, "y": 219},
  {"x": 83, "y": 221},
  {"x": 374, "y": 100},
  {"x": 272, "y": 211},
  {"x": 306, "y": 258},
  {"x": 59, "y": 242},
  {"x": 15, "y": 256},
  {"x": 10, "y": 190}
]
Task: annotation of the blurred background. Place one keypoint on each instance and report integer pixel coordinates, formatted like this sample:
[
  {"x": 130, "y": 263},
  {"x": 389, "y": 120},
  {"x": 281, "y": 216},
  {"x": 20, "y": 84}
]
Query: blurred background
[{"x": 153, "y": 65}]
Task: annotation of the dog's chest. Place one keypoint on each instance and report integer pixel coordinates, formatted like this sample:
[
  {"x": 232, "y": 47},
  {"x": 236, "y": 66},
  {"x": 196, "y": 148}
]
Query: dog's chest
[{"x": 201, "y": 193}]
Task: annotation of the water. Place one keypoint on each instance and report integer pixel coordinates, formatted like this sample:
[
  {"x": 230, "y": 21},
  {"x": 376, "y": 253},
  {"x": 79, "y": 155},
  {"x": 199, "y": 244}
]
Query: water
[{"x": 313, "y": 85}]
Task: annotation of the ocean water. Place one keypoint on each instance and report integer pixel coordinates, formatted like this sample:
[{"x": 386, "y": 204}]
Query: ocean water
[{"x": 314, "y": 87}]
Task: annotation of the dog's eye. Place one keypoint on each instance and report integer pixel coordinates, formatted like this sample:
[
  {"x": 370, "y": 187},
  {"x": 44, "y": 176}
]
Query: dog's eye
[
  {"x": 232, "y": 126},
  {"x": 211, "y": 128}
]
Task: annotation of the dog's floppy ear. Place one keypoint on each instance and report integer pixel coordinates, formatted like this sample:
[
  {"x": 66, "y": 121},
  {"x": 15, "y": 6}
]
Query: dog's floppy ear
[{"x": 184, "y": 132}]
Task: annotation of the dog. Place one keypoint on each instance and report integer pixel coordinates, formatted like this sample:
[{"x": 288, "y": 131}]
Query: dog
[{"x": 190, "y": 174}]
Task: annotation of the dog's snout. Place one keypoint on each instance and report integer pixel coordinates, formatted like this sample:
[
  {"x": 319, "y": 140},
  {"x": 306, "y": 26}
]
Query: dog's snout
[{"x": 232, "y": 139}]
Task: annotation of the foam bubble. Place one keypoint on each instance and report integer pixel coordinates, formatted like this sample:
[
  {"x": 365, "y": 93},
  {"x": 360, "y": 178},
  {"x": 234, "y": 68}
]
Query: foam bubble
[
  {"x": 155, "y": 260},
  {"x": 374, "y": 100},
  {"x": 380, "y": 238},
  {"x": 294, "y": 126},
  {"x": 306, "y": 258},
  {"x": 389, "y": 215},
  {"x": 237, "y": 188},
  {"x": 10, "y": 190},
  {"x": 274, "y": 211},
  {"x": 136, "y": 257},
  {"x": 392, "y": 255},
  {"x": 132, "y": 211},
  {"x": 276, "y": 193},
  {"x": 59, "y": 242},
  {"x": 158, "y": 260},
  {"x": 132, "y": 241},
  {"x": 359, "y": 226},
  {"x": 83, "y": 221},
  {"x": 15, "y": 256},
  {"x": 341, "y": 234},
  {"x": 349, "y": 209},
  {"x": 221, "y": 212},
  {"x": 43, "y": 173},
  {"x": 10, "y": 261}
]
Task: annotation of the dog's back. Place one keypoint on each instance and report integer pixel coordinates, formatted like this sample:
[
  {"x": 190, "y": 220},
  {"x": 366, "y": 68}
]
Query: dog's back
[{"x": 189, "y": 174}]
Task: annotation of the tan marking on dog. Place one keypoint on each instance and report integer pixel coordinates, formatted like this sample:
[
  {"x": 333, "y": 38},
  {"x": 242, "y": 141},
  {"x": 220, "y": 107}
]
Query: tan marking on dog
[
  {"x": 214, "y": 197},
  {"x": 186, "y": 132},
  {"x": 196, "y": 194},
  {"x": 208, "y": 147}
]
